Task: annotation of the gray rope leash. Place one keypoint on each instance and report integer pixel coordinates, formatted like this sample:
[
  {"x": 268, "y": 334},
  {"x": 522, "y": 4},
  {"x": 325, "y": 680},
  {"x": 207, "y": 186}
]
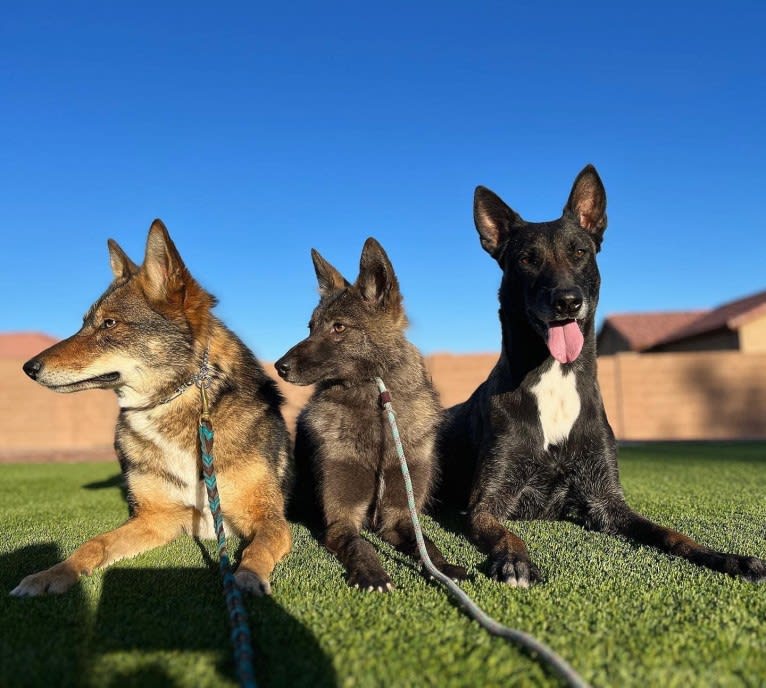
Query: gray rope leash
[{"x": 557, "y": 663}]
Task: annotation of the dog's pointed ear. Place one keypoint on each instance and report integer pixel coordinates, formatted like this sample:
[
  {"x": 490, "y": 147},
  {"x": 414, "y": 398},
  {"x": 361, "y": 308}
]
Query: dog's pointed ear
[
  {"x": 121, "y": 265},
  {"x": 494, "y": 220},
  {"x": 587, "y": 203},
  {"x": 328, "y": 277},
  {"x": 164, "y": 272},
  {"x": 377, "y": 281}
]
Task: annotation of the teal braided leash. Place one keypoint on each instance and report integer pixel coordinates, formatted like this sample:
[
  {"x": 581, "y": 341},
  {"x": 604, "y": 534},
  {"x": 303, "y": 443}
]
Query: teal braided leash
[
  {"x": 534, "y": 646},
  {"x": 240, "y": 631}
]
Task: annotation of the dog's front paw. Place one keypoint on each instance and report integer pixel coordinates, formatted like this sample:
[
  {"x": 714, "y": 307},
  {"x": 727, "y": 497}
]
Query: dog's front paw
[
  {"x": 750, "y": 568},
  {"x": 54, "y": 580},
  {"x": 515, "y": 570},
  {"x": 370, "y": 579},
  {"x": 251, "y": 582}
]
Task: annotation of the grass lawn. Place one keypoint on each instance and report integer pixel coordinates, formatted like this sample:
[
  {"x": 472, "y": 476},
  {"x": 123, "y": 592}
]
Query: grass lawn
[{"x": 621, "y": 614}]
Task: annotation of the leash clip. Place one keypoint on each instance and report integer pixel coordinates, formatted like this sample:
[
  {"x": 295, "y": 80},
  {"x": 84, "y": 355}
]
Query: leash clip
[{"x": 205, "y": 415}]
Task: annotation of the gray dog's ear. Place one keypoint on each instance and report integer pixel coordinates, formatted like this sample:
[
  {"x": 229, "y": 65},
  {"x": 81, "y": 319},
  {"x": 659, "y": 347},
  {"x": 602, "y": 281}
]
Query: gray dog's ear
[
  {"x": 377, "y": 282},
  {"x": 587, "y": 203},
  {"x": 121, "y": 265},
  {"x": 494, "y": 220},
  {"x": 328, "y": 277}
]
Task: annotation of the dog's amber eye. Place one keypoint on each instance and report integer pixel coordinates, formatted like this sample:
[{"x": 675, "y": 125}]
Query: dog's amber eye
[
  {"x": 108, "y": 323},
  {"x": 579, "y": 253},
  {"x": 338, "y": 327}
]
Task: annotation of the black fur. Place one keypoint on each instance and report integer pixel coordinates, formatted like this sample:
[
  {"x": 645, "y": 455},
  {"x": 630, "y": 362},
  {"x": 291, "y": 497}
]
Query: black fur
[{"x": 493, "y": 452}]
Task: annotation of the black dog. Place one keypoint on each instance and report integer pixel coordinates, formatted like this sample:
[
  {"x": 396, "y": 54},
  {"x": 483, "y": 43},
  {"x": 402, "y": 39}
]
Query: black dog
[{"x": 533, "y": 441}]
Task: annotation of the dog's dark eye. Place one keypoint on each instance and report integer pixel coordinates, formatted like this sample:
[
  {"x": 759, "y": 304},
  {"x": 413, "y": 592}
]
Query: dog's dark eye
[
  {"x": 338, "y": 328},
  {"x": 108, "y": 323},
  {"x": 526, "y": 260}
]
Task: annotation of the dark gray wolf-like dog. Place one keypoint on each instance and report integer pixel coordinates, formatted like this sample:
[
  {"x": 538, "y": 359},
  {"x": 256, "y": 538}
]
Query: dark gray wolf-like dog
[
  {"x": 533, "y": 441},
  {"x": 357, "y": 333}
]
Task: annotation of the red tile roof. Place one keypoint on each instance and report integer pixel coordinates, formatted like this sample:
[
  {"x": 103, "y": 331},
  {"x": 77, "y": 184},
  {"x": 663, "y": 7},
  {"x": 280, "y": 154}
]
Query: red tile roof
[
  {"x": 644, "y": 330},
  {"x": 24, "y": 345},
  {"x": 731, "y": 316}
]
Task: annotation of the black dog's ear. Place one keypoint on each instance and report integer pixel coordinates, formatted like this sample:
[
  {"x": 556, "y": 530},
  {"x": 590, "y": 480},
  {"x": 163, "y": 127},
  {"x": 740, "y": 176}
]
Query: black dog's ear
[
  {"x": 494, "y": 220},
  {"x": 328, "y": 277},
  {"x": 377, "y": 282},
  {"x": 121, "y": 265},
  {"x": 587, "y": 203}
]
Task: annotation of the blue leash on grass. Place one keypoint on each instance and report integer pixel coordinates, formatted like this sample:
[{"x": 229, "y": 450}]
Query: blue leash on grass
[
  {"x": 240, "y": 630},
  {"x": 534, "y": 646}
]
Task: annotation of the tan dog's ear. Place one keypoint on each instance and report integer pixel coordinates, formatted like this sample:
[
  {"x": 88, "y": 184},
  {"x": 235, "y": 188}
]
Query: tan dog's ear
[
  {"x": 164, "y": 272},
  {"x": 121, "y": 265}
]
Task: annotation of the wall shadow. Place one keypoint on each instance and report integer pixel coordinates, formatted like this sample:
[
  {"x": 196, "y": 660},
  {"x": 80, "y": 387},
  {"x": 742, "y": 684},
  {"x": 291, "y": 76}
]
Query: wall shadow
[
  {"x": 43, "y": 640},
  {"x": 184, "y": 610},
  {"x": 115, "y": 481}
]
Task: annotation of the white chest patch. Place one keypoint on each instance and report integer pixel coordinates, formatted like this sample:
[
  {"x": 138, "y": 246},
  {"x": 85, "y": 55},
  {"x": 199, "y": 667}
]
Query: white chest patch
[
  {"x": 183, "y": 465},
  {"x": 558, "y": 404}
]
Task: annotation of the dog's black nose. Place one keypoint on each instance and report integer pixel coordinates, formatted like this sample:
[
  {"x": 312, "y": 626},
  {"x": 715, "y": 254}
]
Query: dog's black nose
[
  {"x": 567, "y": 302},
  {"x": 283, "y": 367},
  {"x": 32, "y": 368}
]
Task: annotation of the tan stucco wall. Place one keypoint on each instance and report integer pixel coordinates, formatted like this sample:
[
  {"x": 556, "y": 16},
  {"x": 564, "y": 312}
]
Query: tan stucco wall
[
  {"x": 706, "y": 395},
  {"x": 752, "y": 336}
]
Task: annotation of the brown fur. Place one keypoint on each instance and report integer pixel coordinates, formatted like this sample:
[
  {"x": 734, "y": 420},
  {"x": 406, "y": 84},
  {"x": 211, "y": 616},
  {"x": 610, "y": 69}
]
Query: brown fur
[
  {"x": 357, "y": 332},
  {"x": 150, "y": 329}
]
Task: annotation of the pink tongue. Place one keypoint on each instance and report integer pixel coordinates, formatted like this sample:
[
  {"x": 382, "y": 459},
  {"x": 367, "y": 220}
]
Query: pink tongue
[{"x": 565, "y": 341}]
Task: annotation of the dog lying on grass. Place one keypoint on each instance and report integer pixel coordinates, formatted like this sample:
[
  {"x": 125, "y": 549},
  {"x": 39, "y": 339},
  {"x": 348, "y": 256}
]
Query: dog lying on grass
[
  {"x": 357, "y": 333},
  {"x": 150, "y": 337},
  {"x": 533, "y": 440}
]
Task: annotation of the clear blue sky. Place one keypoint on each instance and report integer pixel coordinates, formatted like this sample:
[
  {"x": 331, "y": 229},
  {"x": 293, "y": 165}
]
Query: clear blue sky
[{"x": 259, "y": 130}]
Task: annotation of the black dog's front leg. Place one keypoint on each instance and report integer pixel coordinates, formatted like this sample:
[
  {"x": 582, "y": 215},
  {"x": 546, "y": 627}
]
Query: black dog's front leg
[
  {"x": 509, "y": 561},
  {"x": 619, "y": 519}
]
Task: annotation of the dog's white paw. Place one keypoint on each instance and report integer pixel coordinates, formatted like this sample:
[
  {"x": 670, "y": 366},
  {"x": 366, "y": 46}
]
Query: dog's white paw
[
  {"x": 54, "y": 581},
  {"x": 252, "y": 583}
]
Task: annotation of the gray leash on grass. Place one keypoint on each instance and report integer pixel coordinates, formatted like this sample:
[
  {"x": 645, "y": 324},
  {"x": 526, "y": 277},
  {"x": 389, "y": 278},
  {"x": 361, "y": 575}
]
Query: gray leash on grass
[{"x": 534, "y": 646}]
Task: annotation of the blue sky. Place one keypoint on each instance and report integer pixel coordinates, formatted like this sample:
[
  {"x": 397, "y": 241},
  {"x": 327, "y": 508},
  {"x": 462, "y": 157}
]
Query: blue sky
[{"x": 258, "y": 132}]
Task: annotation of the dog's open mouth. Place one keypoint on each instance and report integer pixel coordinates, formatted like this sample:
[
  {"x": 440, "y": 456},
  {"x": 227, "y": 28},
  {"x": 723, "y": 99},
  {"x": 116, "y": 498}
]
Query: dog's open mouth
[
  {"x": 564, "y": 340},
  {"x": 97, "y": 381}
]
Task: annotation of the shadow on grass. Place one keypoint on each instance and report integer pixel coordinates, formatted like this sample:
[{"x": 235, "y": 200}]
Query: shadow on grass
[
  {"x": 115, "y": 481},
  {"x": 53, "y": 640},
  {"x": 42, "y": 640},
  {"x": 184, "y": 610}
]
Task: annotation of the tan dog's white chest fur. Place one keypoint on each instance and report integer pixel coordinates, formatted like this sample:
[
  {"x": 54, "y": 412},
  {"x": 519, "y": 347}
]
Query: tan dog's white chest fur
[
  {"x": 558, "y": 404},
  {"x": 183, "y": 465}
]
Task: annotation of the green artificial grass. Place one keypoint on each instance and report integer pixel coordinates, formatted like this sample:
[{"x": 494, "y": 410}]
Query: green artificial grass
[{"x": 621, "y": 614}]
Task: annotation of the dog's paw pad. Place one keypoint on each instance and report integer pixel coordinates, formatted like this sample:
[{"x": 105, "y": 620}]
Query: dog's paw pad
[{"x": 251, "y": 582}]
